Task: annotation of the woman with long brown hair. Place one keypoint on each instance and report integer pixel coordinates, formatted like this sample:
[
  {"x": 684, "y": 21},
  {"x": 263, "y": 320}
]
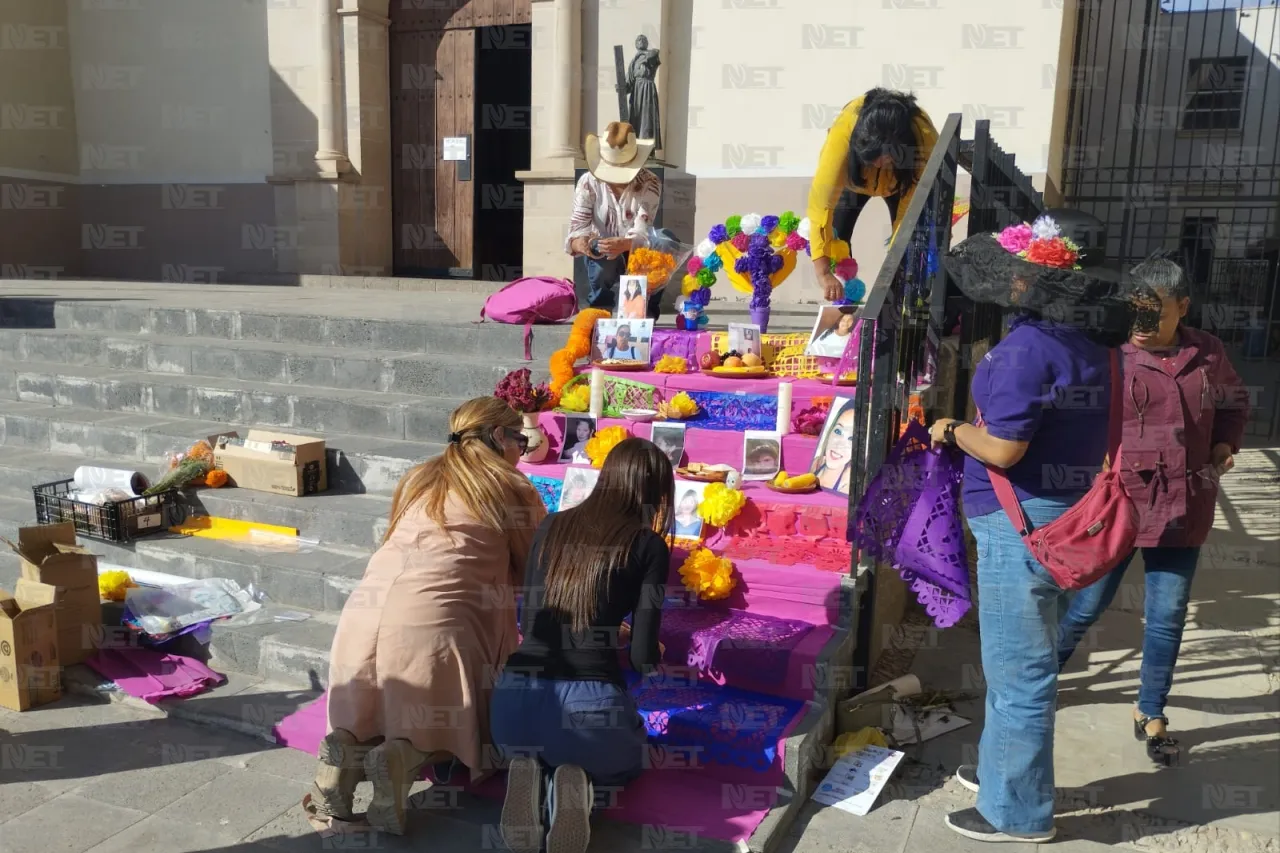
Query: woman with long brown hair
[
  {"x": 561, "y": 710},
  {"x": 433, "y": 619}
]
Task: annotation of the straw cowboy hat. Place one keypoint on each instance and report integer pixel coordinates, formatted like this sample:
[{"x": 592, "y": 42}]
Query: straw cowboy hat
[{"x": 616, "y": 156}]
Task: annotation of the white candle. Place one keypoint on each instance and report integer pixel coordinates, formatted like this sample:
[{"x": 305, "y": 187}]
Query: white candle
[
  {"x": 597, "y": 392},
  {"x": 784, "y": 408}
]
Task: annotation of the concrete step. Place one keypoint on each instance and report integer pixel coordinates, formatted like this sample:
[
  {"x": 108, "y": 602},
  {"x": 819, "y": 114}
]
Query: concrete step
[
  {"x": 356, "y": 463},
  {"x": 319, "y": 579},
  {"x": 449, "y": 335},
  {"x": 232, "y": 401},
  {"x": 296, "y": 365},
  {"x": 353, "y": 520}
]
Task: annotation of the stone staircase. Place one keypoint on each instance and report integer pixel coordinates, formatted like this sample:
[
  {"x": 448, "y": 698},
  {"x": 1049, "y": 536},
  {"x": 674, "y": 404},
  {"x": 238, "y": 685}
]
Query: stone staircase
[{"x": 120, "y": 384}]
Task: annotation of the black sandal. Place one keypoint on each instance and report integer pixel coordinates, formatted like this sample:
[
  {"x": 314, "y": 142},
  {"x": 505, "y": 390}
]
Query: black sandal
[{"x": 1161, "y": 749}]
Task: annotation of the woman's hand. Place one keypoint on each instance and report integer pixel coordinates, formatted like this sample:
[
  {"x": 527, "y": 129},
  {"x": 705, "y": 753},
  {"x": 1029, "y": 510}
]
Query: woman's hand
[
  {"x": 832, "y": 289},
  {"x": 580, "y": 245},
  {"x": 613, "y": 247},
  {"x": 1222, "y": 459},
  {"x": 939, "y": 427}
]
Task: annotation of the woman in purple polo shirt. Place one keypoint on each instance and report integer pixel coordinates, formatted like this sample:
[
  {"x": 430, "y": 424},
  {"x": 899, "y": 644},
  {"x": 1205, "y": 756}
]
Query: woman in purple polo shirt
[
  {"x": 1043, "y": 394},
  {"x": 1185, "y": 410}
]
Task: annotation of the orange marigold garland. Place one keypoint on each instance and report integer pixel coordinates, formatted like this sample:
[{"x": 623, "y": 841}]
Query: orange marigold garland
[
  {"x": 658, "y": 266},
  {"x": 578, "y": 346},
  {"x": 215, "y": 479}
]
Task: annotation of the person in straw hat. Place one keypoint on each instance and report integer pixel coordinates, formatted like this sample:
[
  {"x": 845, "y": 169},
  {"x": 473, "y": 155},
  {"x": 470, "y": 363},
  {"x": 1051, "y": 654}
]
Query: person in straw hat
[{"x": 614, "y": 206}]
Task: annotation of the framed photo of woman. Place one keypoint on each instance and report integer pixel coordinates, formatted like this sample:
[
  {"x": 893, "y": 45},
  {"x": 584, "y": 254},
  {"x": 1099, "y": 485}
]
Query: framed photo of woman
[
  {"x": 633, "y": 304},
  {"x": 831, "y": 331},
  {"x": 577, "y": 487},
  {"x": 578, "y": 430},
  {"x": 688, "y": 523},
  {"x": 832, "y": 461},
  {"x": 670, "y": 440}
]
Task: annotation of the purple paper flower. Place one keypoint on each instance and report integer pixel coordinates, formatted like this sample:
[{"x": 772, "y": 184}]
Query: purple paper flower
[
  {"x": 701, "y": 297},
  {"x": 768, "y": 224},
  {"x": 719, "y": 234}
]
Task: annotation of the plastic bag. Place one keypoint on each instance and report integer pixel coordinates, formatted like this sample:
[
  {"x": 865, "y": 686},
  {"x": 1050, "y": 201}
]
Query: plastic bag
[
  {"x": 167, "y": 610},
  {"x": 183, "y": 467},
  {"x": 663, "y": 259}
]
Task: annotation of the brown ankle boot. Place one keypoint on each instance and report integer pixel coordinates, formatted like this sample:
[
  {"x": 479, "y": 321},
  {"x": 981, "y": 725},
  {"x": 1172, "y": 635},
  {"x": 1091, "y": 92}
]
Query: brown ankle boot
[
  {"x": 341, "y": 769},
  {"x": 392, "y": 767}
]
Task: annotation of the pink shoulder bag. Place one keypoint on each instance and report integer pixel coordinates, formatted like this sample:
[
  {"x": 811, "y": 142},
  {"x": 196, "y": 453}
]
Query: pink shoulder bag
[{"x": 1092, "y": 537}]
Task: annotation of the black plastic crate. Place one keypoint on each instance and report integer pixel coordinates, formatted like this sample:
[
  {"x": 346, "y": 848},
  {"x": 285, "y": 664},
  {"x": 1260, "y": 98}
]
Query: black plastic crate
[{"x": 122, "y": 521}]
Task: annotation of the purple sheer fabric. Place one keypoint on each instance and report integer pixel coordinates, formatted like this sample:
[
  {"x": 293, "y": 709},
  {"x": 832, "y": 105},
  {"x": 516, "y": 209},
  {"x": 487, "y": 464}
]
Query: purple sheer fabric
[
  {"x": 909, "y": 517},
  {"x": 728, "y": 645},
  {"x": 674, "y": 342}
]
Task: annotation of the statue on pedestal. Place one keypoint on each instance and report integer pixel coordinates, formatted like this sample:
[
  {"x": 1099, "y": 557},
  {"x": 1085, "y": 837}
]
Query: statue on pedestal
[{"x": 642, "y": 93}]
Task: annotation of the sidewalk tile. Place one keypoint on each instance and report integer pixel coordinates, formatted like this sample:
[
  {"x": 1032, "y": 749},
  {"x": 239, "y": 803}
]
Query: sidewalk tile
[{"x": 68, "y": 824}]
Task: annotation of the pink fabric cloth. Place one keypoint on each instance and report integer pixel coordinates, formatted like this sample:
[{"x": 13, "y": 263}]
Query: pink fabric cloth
[
  {"x": 683, "y": 797},
  {"x": 151, "y": 675}
]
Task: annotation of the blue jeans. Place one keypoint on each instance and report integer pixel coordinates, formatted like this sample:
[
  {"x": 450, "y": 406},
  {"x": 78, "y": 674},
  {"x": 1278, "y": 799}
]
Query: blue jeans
[
  {"x": 603, "y": 275},
  {"x": 1019, "y": 608},
  {"x": 1169, "y": 572},
  {"x": 592, "y": 724}
]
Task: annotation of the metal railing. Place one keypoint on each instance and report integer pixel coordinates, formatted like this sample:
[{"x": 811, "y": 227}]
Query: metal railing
[{"x": 902, "y": 319}]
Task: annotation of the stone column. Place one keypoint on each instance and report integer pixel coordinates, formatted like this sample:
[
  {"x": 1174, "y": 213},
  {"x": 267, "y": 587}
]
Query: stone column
[
  {"x": 330, "y": 158},
  {"x": 566, "y": 97}
]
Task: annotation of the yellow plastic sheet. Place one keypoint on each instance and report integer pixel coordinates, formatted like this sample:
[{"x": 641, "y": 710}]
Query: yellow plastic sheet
[
  {"x": 853, "y": 741},
  {"x": 213, "y": 527}
]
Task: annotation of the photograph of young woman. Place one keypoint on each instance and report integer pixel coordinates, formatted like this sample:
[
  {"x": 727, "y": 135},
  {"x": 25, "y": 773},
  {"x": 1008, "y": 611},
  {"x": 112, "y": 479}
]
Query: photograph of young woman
[
  {"x": 688, "y": 522},
  {"x": 831, "y": 332},
  {"x": 635, "y": 299},
  {"x": 761, "y": 454},
  {"x": 835, "y": 450},
  {"x": 577, "y": 431}
]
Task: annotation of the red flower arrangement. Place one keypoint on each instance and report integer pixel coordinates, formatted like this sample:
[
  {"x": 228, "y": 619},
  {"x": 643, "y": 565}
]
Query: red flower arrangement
[
  {"x": 519, "y": 392},
  {"x": 1052, "y": 253}
]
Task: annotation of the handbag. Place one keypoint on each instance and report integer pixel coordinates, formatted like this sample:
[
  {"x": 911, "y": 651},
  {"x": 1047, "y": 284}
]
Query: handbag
[
  {"x": 525, "y": 301},
  {"x": 1098, "y": 531}
]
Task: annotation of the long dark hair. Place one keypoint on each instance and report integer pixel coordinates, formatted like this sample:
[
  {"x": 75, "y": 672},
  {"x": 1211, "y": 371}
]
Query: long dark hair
[
  {"x": 585, "y": 545},
  {"x": 886, "y": 125}
]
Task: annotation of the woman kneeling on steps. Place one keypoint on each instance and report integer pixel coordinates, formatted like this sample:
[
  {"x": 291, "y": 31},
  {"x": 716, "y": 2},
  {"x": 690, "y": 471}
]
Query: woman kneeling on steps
[
  {"x": 561, "y": 713},
  {"x": 432, "y": 620}
]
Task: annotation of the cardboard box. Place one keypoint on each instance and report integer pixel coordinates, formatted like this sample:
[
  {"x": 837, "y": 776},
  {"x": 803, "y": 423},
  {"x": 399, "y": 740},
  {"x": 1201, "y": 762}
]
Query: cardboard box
[
  {"x": 30, "y": 672},
  {"x": 297, "y": 468},
  {"x": 51, "y": 556}
]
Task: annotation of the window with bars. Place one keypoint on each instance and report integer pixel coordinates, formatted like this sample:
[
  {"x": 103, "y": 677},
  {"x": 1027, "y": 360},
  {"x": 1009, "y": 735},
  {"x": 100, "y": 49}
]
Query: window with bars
[{"x": 1215, "y": 87}]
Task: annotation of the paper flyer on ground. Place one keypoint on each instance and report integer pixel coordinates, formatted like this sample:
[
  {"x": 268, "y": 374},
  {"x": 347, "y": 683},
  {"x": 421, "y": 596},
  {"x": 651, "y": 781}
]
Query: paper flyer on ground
[{"x": 856, "y": 780}]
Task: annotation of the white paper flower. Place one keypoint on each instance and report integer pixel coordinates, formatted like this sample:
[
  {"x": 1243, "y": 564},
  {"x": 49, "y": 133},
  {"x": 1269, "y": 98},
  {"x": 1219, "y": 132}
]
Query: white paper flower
[
  {"x": 1045, "y": 228},
  {"x": 751, "y": 223},
  {"x": 706, "y": 249},
  {"x": 804, "y": 227}
]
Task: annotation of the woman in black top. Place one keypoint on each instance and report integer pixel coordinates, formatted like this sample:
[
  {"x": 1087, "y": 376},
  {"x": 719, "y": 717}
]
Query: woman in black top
[{"x": 561, "y": 706}]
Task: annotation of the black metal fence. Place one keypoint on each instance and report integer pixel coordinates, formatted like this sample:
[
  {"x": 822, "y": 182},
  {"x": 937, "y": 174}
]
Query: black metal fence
[
  {"x": 1000, "y": 195},
  {"x": 1172, "y": 142},
  {"x": 903, "y": 319}
]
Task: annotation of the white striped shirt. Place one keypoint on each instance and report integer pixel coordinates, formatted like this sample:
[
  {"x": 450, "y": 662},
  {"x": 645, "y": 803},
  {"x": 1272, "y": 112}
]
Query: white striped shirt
[{"x": 598, "y": 213}]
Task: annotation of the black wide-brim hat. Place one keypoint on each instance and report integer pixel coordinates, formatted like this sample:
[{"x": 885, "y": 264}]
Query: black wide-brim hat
[{"x": 1098, "y": 298}]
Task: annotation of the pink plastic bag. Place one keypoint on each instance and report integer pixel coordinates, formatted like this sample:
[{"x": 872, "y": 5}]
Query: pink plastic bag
[{"x": 539, "y": 299}]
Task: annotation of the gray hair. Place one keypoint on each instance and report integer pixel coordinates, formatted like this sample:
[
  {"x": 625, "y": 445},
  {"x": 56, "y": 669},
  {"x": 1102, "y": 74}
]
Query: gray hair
[{"x": 1164, "y": 276}]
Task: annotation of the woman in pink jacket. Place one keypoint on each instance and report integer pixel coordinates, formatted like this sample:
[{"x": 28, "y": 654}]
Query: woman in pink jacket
[{"x": 1184, "y": 416}]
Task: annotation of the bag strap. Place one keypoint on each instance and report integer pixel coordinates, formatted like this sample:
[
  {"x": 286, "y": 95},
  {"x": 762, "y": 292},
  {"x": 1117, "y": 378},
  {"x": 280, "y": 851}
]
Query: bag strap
[{"x": 1115, "y": 427}]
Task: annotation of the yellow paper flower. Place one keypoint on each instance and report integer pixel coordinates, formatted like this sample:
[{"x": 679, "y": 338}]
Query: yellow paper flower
[
  {"x": 577, "y": 398},
  {"x": 112, "y": 586},
  {"x": 708, "y": 576},
  {"x": 837, "y": 251},
  {"x": 684, "y": 405},
  {"x": 599, "y": 445},
  {"x": 720, "y": 504},
  {"x": 671, "y": 364},
  {"x": 777, "y": 239},
  {"x": 688, "y": 285}
]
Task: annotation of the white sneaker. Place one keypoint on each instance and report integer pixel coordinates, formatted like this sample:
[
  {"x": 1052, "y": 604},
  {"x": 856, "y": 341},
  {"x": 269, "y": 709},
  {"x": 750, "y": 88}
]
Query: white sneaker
[{"x": 967, "y": 775}]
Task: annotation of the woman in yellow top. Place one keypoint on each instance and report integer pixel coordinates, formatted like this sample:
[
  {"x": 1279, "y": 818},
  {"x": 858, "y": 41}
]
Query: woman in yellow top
[{"x": 877, "y": 147}]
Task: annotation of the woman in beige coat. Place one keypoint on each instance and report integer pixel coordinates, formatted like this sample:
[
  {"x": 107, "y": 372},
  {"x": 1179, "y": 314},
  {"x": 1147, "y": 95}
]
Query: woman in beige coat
[{"x": 422, "y": 638}]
